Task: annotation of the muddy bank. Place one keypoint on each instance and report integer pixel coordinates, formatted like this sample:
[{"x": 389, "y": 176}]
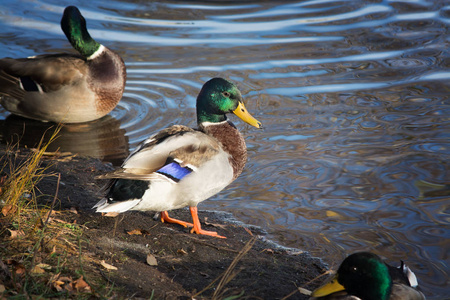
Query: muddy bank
[{"x": 165, "y": 260}]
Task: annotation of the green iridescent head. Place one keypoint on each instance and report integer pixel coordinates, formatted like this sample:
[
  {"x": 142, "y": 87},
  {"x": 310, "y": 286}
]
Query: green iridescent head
[
  {"x": 74, "y": 26},
  {"x": 219, "y": 97},
  {"x": 361, "y": 274}
]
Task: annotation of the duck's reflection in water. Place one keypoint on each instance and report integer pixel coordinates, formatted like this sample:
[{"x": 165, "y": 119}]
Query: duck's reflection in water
[{"x": 103, "y": 138}]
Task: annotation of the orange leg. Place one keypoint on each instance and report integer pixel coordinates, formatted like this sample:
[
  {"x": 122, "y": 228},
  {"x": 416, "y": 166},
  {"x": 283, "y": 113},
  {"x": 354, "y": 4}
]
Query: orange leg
[
  {"x": 165, "y": 218},
  {"x": 197, "y": 227}
]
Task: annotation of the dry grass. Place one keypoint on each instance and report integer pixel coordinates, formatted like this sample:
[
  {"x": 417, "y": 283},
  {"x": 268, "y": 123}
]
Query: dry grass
[
  {"x": 41, "y": 253},
  {"x": 18, "y": 191},
  {"x": 228, "y": 275}
]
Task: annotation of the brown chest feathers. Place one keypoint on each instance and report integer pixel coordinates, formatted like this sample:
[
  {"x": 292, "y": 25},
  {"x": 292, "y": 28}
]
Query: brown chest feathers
[
  {"x": 232, "y": 142},
  {"x": 107, "y": 79}
]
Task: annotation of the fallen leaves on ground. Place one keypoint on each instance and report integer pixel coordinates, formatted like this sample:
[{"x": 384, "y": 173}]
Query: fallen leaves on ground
[
  {"x": 6, "y": 209},
  {"x": 138, "y": 232},
  {"x": 37, "y": 270},
  {"x": 107, "y": 266},
  {"x": 81, "y": 285},
  {"x": 16, "y": 234},
  {"x": 151, "y": 260},
  {"x": 65, "y": 283},
  {"x": 18, "y": 269}
]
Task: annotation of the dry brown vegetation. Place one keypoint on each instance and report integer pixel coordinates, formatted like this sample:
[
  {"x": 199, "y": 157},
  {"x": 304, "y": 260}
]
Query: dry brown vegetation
[{"x": 37, "y": 244}]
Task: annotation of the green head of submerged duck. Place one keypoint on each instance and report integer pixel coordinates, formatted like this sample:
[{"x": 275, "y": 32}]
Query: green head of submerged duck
[{"x": 365, "y": 276}]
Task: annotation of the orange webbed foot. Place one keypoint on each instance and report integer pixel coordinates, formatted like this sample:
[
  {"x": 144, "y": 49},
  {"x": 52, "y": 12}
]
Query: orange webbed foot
[
  {"x": 197, "y": 228},
  {"x": 165, "y": 218}
]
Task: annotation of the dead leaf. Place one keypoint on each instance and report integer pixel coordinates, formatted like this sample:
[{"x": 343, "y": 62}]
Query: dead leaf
[
  {"x": 135, "y": 232},
  {"x": 15, "y": 234},
  {"x": 2, "y": 288},
  {"x": 6, "y": 209},
  {"x": 66, "y": 283},
  {"x": 138, "y": 232},
  {"x": 57, "y": 285},
  {"x": 65, "y": 278},
  {"x": 111, "y": 214},
  {"x": 68, "y": 287},
  {"x": 37, "y": 270},
  {"x": 151, "y": 260},
  {"x": 73, "y": 210},
  {"x": 18, "y": 268},
  {"x": 44, "y": 266},
  {"x": 81, "y": 286},
  {"x": 56, "y": 282},
  {"x": 107, "y": 266}
]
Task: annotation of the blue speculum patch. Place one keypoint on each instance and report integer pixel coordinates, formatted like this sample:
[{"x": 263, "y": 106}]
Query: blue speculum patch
[{"x": 174, "y": 171}]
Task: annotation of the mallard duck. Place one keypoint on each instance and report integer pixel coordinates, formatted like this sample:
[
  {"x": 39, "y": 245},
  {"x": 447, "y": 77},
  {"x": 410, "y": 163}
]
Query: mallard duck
[
  {"x": 365, "y": 276},
  {"x": 180, "y": 166},
  {"x": 64, "y": 87}
]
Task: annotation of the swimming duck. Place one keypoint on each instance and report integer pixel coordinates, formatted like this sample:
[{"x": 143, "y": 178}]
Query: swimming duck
[
  {"x": 64, "y": 87},
  {"x": 180, "y": 166},
  {"x": 365, "y": 276}
]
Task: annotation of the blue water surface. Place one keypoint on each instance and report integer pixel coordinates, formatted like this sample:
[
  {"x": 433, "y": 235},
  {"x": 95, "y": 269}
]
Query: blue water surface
[{"x": 353, "y": 95}]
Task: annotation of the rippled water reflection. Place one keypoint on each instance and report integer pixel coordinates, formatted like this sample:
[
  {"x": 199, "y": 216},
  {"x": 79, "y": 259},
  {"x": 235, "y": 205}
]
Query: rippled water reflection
[{"x": 354, "y": 96}]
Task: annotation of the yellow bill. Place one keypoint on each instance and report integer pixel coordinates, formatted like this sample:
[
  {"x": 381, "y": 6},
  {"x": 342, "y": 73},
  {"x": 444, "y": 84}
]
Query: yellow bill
[
  {"x": 331, "y": 287},
  {"x": 245, "y": 116}
]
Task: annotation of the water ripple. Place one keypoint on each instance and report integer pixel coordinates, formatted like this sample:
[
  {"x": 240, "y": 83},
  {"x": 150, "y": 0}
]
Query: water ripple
[{"x": 353, "y": 96}]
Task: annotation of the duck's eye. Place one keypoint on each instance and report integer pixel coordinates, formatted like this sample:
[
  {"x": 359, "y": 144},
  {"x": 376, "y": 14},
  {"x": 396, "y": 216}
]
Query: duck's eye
[{"x": 226, "y": 94}]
